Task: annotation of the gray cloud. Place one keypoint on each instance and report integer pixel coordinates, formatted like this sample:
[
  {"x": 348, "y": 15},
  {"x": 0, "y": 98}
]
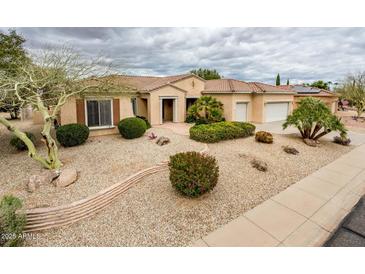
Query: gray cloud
[{"x": 251, "y": 54}]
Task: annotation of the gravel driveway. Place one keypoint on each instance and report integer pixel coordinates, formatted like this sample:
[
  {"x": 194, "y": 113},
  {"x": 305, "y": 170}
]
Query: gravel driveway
[{"x": 153, "y": 214}]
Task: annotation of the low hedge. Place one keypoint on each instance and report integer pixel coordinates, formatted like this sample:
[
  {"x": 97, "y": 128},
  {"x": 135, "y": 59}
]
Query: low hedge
[
  {"x": 192, "y": 173},
  {"x": 19, "y": 144},
  {"x": 132, "y": 127},
  {"x": 72, "y": 134},
  {"x": 215, "y": 132}
]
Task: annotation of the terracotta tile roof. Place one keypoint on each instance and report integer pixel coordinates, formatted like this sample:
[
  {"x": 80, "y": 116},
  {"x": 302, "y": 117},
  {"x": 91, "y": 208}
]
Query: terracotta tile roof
[
  {"x": 146, "y": 83},
  {"x": 231, "y": 85}
]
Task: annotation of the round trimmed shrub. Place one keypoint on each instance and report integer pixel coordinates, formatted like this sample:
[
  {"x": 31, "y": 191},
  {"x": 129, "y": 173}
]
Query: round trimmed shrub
[
  {"x": 264, "y": 137},
  {"x": 72, "y": 134},
  {"x": 145, "y": 120},
  {"x": 19, "y": 144},
  {"x": 193, "y": 173},
  {"x": 132, "y": 127}
]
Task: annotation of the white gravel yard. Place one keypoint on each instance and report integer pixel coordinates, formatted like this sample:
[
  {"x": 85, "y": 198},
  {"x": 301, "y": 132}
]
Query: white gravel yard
[
  {"x": 101, "y": 162},
  {"x": 153, "y": 214}
]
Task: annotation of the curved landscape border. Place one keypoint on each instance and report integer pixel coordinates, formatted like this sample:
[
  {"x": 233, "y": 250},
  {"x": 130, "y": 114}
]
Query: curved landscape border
[{"x": 52, "y": 217}]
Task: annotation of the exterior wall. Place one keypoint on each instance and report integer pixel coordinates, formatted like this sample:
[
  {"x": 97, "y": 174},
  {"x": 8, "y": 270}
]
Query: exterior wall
[
  {"x": 331, "y": 102},
  {"x": 37, "y": 118},
  {"x": 192, "y": 85},
  {"x": 257, "y": 108},
  {"x": 154, "y": 104}
]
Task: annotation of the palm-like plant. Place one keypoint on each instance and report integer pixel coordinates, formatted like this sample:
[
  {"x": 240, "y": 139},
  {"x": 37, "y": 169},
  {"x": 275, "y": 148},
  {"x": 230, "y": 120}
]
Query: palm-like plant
[
  {"x": 314, "y": 119},
  {"x": 207, "y": 109}
]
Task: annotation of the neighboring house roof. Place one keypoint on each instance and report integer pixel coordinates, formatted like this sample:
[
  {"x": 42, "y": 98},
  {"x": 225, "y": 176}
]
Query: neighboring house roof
[
  {"x": 148, "y": 83},
  {"x": 308, "y": 91},
  {"x": 232, "y": 85}
]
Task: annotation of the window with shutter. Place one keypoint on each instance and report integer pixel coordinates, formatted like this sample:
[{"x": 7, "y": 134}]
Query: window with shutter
[{"x": 99, "y": 113}]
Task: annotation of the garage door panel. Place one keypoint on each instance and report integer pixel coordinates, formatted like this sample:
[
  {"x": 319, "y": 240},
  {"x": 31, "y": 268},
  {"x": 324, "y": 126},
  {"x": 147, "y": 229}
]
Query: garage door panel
[
  {"x": 241, "y": 112},
  {"x": 276, "y": 111}
]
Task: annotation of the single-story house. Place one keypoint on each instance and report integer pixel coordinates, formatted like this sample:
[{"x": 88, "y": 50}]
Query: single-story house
[
  {"x": 328, "y": 97},
  {"x": 166, "y": 99}
]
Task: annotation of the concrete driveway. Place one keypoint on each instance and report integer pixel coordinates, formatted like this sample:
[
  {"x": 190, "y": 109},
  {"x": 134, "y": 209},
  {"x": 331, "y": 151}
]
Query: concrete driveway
[{"x": 357, "y": 138}]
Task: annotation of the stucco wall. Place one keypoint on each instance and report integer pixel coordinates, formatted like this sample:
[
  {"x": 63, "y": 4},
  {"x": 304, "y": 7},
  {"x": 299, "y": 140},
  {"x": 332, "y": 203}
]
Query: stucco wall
[
  {"x": 192, "y": 85},
  {"x": 154, "y": 103},
  {"x": 142, "y": 104}
]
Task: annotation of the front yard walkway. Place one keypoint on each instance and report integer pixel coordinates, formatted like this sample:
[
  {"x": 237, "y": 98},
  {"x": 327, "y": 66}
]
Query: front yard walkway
[{"x": 305, "y": 214}]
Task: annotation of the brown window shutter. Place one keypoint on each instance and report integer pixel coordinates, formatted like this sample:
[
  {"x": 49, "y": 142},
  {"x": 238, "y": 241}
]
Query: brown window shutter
[
  {"x": 116, "y": 111},
  {"x": 80, "y": 111}
]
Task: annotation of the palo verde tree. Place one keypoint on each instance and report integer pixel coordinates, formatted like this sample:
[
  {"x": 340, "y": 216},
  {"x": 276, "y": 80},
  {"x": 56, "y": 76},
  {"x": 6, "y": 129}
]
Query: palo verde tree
[
  {"x": 207, "y": 74},
  {"x": 353, "y": 89},
  {"x": 12, "y": 54},
  {"x": 46, "y": 84},
  {"x": 314, "y": 119}
]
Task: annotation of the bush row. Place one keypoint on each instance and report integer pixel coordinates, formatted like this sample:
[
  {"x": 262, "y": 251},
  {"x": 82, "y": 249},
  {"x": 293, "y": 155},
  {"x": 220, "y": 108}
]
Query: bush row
[{"x": 215, "y": 132}]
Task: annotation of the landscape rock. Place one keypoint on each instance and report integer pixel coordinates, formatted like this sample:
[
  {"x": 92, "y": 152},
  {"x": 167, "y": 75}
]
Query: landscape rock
[
  {"x": 35, "y": 181},
  {"x": 310, "y": 142},
  {"x": 290, "y": 150},
  {"x": 259, "y": 165},
  {"x": 67, "y": 177},
  {"x": 162, "y": 141},
  {"x": 342, "y": 140}
]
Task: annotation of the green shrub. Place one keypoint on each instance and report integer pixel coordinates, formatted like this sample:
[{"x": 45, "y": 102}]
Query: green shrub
[
  {"x": 193, "y": 173},
  {"x": 145, "y": 120},
  {"x": 205, "y": 110},
  {"x": 72, "y": 134},
  {"x": 314, "y": 119},
  {"x": 132, "y": 127},
  {"x": 11, "y": 221},
  {"x": 215, "y": 132},
  {"x": 19, "y": 144},
  {"x": 264, "y": 137}
]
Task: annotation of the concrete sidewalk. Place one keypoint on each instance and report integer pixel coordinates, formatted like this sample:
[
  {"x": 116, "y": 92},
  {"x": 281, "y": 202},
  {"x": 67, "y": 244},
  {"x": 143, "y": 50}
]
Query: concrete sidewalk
[{"x": 305, "y": 214}]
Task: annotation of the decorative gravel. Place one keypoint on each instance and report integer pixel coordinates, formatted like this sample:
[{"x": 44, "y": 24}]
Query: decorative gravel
[
  {"x": 152, "y": 213},
  {"x": 101, "y": 162}
]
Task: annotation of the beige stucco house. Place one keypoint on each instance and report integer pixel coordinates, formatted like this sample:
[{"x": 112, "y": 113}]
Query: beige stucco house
[{"x": 166, "y": 99}]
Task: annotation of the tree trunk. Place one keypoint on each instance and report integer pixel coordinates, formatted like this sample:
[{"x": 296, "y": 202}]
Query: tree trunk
[
  {"x": 315, "y": 131},
  {"x": 32, "y": 152},
  {"x": 321, "y": 134},
  {"x": 52, "y": 148}
]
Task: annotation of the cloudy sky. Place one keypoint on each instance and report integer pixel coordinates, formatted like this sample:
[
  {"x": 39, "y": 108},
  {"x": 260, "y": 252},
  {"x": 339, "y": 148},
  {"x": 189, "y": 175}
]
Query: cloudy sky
[{"x": 251, "y": 54}]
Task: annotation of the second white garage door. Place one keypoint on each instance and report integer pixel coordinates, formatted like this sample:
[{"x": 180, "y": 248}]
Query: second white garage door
[
  {"x": 276, "y": 111},
  {"x": 241, "y": 112}
]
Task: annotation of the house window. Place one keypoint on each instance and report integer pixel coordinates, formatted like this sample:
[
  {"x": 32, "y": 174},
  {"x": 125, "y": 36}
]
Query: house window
[{"x": 99, "y": 113}]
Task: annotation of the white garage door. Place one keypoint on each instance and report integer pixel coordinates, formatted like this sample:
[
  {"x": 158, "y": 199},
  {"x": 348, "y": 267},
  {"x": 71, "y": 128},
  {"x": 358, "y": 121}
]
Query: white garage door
[
  {"x": 241, "y": 112},
  {"x": 276, "y": 111}
]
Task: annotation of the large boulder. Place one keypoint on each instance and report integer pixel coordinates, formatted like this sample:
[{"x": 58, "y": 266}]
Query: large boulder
[
  {"x": 163, "y": 141},
  {"x": 46, "y": 177},
  {"x": 67, "y": 177}
]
